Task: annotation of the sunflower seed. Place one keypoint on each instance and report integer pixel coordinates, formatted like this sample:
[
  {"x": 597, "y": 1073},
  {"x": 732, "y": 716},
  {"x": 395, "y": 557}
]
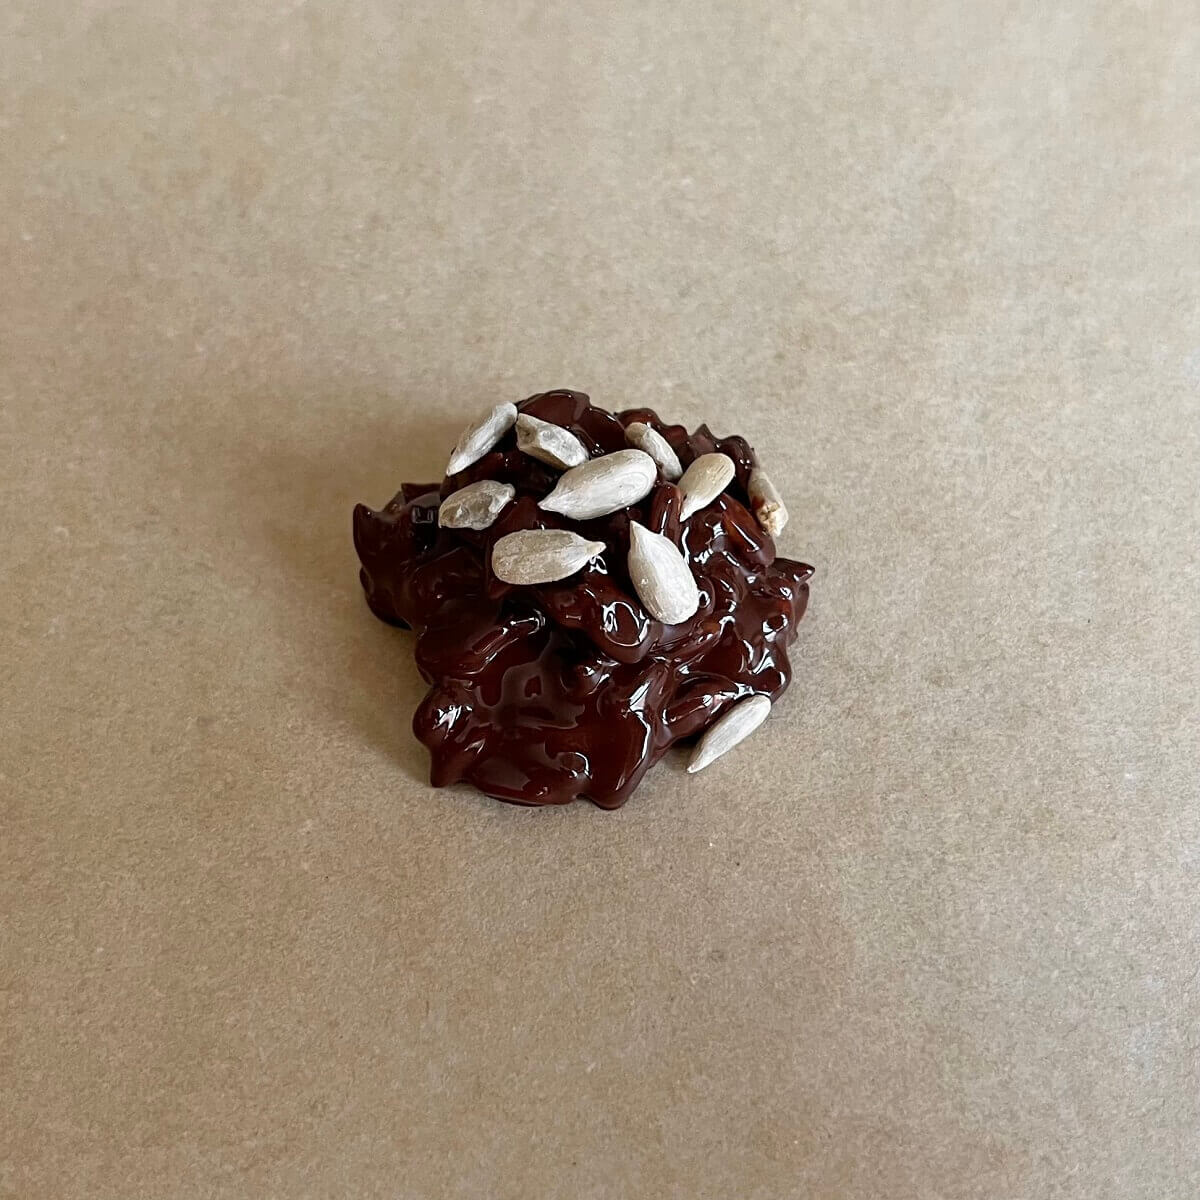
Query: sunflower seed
[
  {"x": 661, "y": 578},
  {"x": 476, "y": 506},
  {"x": 482, "y": 436},
  {"x": 603, "y": 485},
  {"x": 647, "y": 439},
  {"x": 551, "y": 444},
  {"x": 704, "y": 481},
  {"x": 725, "y": 733},
  {"x": 767, "y": 503},
  {"x": 541, "y": 555}
]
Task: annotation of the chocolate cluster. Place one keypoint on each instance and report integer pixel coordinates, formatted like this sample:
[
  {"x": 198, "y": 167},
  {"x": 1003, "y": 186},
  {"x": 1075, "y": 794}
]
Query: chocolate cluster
[{"x": 545, "y": 692}]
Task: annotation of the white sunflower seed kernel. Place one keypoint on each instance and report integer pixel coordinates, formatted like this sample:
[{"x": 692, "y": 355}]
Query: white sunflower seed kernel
[
  {"x": 647, "y": 439},
  {"x": 541, "y": 555},
  {"x": 476, "y": 506},
  {"x": 664, "y": 583},
  {"x": 549, "y": 443},
  {"x": 766, "y": 502},
  {"x": 478, "y": 438},
  {"x": 602, "y": 485},
  {"x": 725, "y": 732},
  {"x": 704, "y": 481}
]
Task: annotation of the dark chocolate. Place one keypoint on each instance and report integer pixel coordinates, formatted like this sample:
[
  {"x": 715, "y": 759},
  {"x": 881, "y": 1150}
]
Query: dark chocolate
[{"x": 543, "y": 694}]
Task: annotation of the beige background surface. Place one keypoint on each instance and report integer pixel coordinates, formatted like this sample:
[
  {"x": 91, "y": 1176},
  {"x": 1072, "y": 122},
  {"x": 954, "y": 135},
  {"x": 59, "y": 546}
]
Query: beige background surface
[{"x": 936, "y": 935}]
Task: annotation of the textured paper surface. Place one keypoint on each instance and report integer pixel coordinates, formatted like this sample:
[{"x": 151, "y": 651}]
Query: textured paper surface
[{"x": 934, "y": 934}]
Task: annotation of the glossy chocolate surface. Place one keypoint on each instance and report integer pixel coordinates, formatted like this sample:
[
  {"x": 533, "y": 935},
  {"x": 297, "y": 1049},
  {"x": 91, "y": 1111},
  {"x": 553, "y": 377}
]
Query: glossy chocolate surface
[{"x": 543, "y": 694}]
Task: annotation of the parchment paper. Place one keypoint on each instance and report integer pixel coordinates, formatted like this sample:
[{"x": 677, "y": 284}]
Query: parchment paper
[{"x": 933, "y": 933}]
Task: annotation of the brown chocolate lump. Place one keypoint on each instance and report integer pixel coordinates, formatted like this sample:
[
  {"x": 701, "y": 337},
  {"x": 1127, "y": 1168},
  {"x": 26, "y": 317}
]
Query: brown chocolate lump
[{"x": 540, "y": 694}]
